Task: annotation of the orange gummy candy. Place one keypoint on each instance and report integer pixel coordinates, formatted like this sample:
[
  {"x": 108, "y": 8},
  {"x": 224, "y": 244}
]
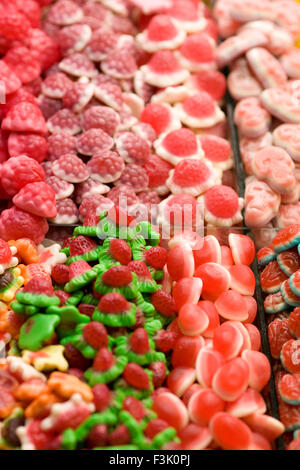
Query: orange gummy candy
[
  {"x": 30, "y": 390},
  {"x": 65, "y": 385},
  {"x": 40, "y": 407},
  {"x": 27, "y": 250}
]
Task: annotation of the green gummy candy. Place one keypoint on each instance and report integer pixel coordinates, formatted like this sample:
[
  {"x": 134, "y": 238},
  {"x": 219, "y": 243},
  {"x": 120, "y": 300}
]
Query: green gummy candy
[
  {"x": 123, "y": 390},
  {"x": 123, "y": 349},
  {"x": 69, "y": 318},
  {"x": 129, "y": 291},
  {"x": 96, "y": 377},
  {"x": 69, "y": 440},
  {"x": 75, "y": 298},
  {"x": 147, "y": 231},
  {"x": 138, "y": 248},
  {"x": 153, "y": 326},
  {"x": 66, "y": 250},
  {"x": 106, "y": 417},
  {"x": 83, "y": 279},
  {"x": 23, "y": 309},
  {"x": 38, "y": 300},
  {"x": 158, "y": 275},
  {"x": 91, "y": 255},
  {"x": 37, "y": 330},
  {"x": 89, "y": 299},
  {"x": 79, "y": 343},
  {"x": 146, "y": 307},
  {"x": 106, "y": 229},
  {"x": 116, "y": 320},
  {"x": 163, "y": 437},
  {"x": 89, "y": 231},
  {"x": 132, "y": 425}
]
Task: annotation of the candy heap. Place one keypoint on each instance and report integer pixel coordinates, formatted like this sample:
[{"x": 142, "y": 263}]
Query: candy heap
[
  {"x": 128, "y": 346},
  {"x": 280, "y": 270},
  {"x": 26, "y": 52},
  {"x": 132, "y": 110},
  {"x": 264, "y": 79}
]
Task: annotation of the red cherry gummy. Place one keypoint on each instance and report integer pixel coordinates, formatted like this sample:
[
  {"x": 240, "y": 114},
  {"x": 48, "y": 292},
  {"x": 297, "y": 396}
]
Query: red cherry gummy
[
  {"x": 136, "y": 376},
  {"x": 113, "y": 303},
  {"x": 159, "y": 373},
  {"x": 117, "y": 276},
  {"x": 134, "y": 407},
  {"x": 101, "y": 396},
  {"x": 60, "y": 273},
  {"x": 164, "y": 303},
  {"x": 104, "y": 360},
  {"x": 139, "y": 341},
  {"x": 95, "y": 334}
]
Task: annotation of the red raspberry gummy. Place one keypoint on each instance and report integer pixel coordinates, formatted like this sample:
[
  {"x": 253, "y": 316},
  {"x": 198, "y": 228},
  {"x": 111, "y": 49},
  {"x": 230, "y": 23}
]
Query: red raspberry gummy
[
  {"x": 19, "y": 171},
  {"x": 70, "y": 168},
  {"x": 9, "y": 78},
  {"x": 94, "y": 204},
  {"x": 13, "y": 25},
  {"x": 65, "y": 12},
  {"x": 106, "y": 167},
  {"x": 61, "y": 144},
  {"x": 37, "y": 198},
  {"x": 16, "y": 223},
  {"x": 119, "y": 64},
  {"x": 100, "y": 117},
  {"x": 49, "y": 106},
  {"x": 133, "y": 148},
  {"x": 22, "y": 61},
  {"x": 135, "y": 176},
  {"x": 32, "y": 145},
  {"x": 157, "y": 170},
  {"x": 94, "y": 140},
  {"x": 44, "y": 48},
  {"x": 64, "y": 120},
  {"x": 123, "y": 195},
  {"x": 56, "y": 85},
  {"x": 67, "y": 212},
  {"x": 25, "y": 117}
]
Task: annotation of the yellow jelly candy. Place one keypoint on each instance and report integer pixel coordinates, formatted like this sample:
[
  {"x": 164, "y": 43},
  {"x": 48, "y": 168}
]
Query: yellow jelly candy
[
  {"x": 48, "y": 358},
  {"x": 12, "y": 283}
]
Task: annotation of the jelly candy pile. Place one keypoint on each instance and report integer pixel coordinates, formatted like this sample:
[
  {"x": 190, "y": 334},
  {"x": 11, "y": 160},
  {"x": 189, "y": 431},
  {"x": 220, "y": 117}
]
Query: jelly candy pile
[
  {"x": 112, "y": 102},
  {"x": 280, "y": 271},
  {"x": 264, "y": 75},
  {"x": 123, "y": 343}
]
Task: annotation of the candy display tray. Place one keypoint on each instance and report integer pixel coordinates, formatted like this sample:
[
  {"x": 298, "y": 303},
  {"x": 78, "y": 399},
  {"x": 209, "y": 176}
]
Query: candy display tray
[
  {"x": 260, "y": 322},
  {"x": 261, "y": 237}
]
